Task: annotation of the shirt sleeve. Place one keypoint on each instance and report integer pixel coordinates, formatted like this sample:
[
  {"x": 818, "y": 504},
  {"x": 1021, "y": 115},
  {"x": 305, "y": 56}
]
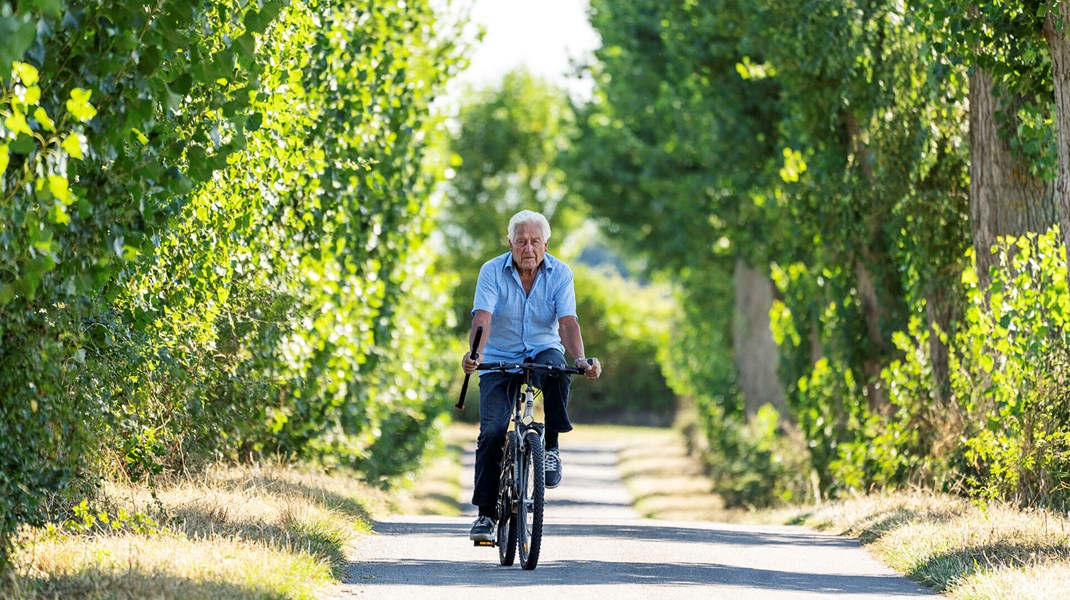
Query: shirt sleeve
[
  {"x": 486, "y": 290},
  {"x": 566, "y": 296}
]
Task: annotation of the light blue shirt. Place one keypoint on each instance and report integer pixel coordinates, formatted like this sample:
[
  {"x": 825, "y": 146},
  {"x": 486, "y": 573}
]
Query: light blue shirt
[{"x": 523, "y": 325}]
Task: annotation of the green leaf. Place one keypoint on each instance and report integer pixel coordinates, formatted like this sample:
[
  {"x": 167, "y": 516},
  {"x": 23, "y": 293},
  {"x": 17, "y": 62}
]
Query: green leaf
[
  {"x": 42, "y": 118},
  {"x": 26, "y": 73},
  {"x": 182, "y": 84},
  {"x": 32, "y": 95},
  {"x": 245, "y": 51},
  {"x": 16, "y": 122},
  {"x": 4, "y": 158},
  {"x": 58, "y": 186},
  {"x": 59, "y": 214},
  {"x": 79, "y": 106},
  {"x": 52, "y": 8},
  {"x": 22, "y": 145},
  {"x": 987, "y": 363},
  {"x": 7, "y": 293},
  {"x": 17, "y": 33},
  {"x": 73, "y": 144}
]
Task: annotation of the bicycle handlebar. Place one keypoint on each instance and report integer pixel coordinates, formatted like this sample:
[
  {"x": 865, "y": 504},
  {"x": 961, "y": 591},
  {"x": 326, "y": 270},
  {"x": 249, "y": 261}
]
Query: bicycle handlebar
[
  {"x": 503, "y": 367},
  {"x": 539, "y": 367}
]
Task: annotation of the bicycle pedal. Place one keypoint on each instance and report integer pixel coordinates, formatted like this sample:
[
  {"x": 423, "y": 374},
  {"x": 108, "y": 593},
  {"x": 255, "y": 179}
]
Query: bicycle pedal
[{"x": 486, "y": 543}]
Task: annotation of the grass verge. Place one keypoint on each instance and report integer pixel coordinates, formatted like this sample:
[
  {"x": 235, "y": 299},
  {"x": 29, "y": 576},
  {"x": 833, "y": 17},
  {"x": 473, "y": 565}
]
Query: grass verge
[
  {"x": 664, "y": 480},
  {"x": 250, "y": 532},
  {"x": 435, "y": 489},
  {"x": 957, "y": 547}
]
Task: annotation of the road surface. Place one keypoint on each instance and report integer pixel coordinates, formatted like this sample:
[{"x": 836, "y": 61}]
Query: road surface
[{"x": 596, "y": 547}]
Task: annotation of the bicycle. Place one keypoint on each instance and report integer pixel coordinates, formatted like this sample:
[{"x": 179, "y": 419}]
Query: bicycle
[{"x": 522, "y": 486}]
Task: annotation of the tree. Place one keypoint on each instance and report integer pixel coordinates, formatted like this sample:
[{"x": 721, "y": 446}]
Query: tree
[
  {"x": 504, "y": 155},
  {"x": 808, "y": 140}
]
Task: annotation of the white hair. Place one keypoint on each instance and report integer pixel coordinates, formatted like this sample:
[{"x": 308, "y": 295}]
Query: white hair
[{"x": 529, "y": 216}]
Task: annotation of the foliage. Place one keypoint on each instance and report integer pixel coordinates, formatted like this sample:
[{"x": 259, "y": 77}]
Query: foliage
[
  {"x": 1007, "y": 41},
  {"x": 211, "y": 237},
  {"x": 820, "y": 142},
  {"x": 1002, "y": 433},
  {"x": 1010, "y": 374},
  {"x": 754, "y": 463},
  {"x": 504, "y": 159},
  {"x": 625, "y": 324}
]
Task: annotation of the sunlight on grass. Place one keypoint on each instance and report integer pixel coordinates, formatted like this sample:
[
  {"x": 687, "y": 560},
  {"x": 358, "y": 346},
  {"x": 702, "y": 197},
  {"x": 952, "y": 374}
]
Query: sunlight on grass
[
  {"x": 664, "y": 481},
  {"x": 251, "y": 532},
  {"x": 956, "y": 547},
  {"x": 168, "y": 566}
]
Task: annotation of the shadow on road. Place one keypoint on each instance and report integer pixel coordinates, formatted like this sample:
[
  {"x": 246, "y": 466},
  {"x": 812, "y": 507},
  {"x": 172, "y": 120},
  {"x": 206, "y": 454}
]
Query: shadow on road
[
  {"x": 657, "y": 533},
  {"x": 592, "y": 572}
]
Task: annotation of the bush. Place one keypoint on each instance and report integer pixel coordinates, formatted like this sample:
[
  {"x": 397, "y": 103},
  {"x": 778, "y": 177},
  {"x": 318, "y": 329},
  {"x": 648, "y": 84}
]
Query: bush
[
  {"x": 1009, "y": 374},
  {"x": 624, "y": 324},
  {"x": 1004, "y": 432},
  {"x": 755, "y": 463},
  {"x": 212, "y": 238}
]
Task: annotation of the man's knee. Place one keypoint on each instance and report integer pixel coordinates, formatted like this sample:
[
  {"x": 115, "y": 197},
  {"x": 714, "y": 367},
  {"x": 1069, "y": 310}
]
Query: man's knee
[{"x": 551, "y": 356}]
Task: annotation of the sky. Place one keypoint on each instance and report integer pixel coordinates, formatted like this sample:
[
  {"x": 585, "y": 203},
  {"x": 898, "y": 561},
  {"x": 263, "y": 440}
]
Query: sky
[{"x": 543, "y": 36}]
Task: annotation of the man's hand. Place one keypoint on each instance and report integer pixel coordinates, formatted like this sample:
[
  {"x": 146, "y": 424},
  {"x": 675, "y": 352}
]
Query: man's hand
[
  {"x": 592, "y": 369},
  {"x": 470, "y": 365}
]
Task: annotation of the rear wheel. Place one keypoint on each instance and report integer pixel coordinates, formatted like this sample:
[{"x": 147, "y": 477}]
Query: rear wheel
[
  {"x": 506, "y": 504},
  {"x": 532, "y": 497}
]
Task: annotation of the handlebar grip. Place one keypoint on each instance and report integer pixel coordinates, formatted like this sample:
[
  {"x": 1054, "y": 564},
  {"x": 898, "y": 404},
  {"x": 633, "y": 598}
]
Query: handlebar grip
[
  {"x": 475, "y": 342},
  {"x": 472, "y": 355}
]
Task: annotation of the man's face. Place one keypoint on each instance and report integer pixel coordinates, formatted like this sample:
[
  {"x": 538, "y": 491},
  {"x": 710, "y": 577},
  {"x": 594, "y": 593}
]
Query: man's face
[{"x": 527, "y": 246}]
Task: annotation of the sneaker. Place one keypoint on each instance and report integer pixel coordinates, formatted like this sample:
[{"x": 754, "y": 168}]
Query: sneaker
[
  {"x": 482, "y": 529},
  {"x": 553, "y": 468}
]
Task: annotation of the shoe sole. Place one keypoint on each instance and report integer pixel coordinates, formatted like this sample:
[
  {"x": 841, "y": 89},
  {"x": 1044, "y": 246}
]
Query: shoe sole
[
  {"x": 481, "y": 537},
  {"x": 550, "y": 487}
]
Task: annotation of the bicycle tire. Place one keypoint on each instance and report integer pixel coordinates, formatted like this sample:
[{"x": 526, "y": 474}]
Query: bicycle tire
[
  {"x": 532, "y": 499},
  {"x": 507, "y": 517}
]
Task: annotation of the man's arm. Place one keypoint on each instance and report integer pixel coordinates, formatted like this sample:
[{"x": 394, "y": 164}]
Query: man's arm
[
  {"x": 481, "y": 318},
  {"x": 572, "y": 339}
]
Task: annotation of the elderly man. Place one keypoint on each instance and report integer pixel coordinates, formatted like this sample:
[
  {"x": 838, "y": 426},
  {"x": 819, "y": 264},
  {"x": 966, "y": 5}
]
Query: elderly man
[{"x": 526, "y": 304}]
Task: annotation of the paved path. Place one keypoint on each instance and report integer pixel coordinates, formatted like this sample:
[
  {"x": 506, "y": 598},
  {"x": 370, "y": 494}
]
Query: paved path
[{"x": 596, "y": 547}]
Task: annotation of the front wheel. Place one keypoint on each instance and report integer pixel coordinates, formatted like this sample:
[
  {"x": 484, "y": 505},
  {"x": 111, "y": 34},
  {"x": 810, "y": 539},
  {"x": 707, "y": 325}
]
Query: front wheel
[
  {"x": 507, "y": 517},
  {"x": 532, "y": 498}
]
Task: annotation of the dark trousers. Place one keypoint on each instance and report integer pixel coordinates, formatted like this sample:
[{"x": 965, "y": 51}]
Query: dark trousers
[{"x": 497, "y": 391}]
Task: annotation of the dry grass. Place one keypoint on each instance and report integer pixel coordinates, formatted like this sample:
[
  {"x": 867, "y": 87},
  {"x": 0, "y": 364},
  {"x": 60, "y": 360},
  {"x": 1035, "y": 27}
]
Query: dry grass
[
  {"x": 665, "y": 482},
  {"x": 255, "y": 532},
  {"x": 956, "y": 547}
]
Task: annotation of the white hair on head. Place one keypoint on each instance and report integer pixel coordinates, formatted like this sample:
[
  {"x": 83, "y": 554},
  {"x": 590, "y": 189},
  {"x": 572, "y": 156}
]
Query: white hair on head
[{"x": 529, "y": 216}]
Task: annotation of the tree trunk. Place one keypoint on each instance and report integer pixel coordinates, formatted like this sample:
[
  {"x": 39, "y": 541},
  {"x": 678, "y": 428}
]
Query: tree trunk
[
  {"x": 755, "y": 352},
  {"x": 1059, "y": 47},
  {"x": 1005, "y": 199}
]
